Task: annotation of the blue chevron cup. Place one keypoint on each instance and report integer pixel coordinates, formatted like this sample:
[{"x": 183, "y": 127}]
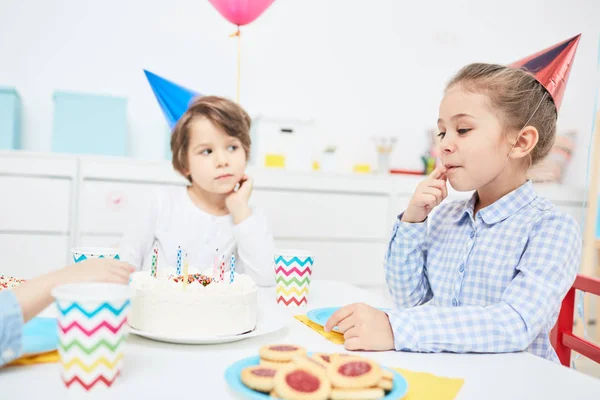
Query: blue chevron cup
[
  {"x": 83, "y": 253},
  {"x": 92, "y": 331},
  {"x": 293, "y": 272}
]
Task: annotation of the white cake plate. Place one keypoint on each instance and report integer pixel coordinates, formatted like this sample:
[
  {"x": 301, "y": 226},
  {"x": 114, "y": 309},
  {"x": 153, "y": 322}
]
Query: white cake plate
[{"x": 268, "y": 320}]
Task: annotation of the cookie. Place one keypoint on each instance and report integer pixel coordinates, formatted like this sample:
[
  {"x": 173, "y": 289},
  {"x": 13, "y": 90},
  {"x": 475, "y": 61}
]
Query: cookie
[
  {"x": 281, "y": 352},
  {"x": 258, "y": 377},
  {"x": 274, "y": 394},
  {"x": 387, "y": 374},
  {"x": 386, "y": 384},
  {"x": 357, "y": 394},
  {"x": 302, "y": 383},
  {"x": 354, "y": 372},
  {"x": 322, "y": 358},
  {"x": 273, "y": 364},
  {"x": 309, "y": 361}
]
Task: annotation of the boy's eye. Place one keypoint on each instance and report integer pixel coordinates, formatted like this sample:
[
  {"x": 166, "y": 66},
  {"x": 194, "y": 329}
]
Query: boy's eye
[
  {"x": 463, "y": 131},
  {"x": 232, "y": 148},
  {"x": 206, "y": 152}
]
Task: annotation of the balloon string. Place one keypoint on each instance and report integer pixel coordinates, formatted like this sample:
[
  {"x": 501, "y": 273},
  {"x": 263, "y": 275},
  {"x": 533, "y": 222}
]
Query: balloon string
[{"x": 239, "y": 61}]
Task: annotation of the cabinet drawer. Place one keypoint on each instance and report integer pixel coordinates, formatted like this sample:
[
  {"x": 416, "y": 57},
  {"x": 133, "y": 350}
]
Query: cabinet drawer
[
  {"x": 105, "y": 207},
  {"x": 34, "y": 204},
  {"x": 324, "y": 215},
  {"x": 27, "y": 256}
]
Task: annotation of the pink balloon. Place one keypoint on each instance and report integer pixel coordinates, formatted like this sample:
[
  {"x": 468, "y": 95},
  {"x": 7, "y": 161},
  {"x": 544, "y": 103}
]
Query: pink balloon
[{"x": 241, "y": 12}]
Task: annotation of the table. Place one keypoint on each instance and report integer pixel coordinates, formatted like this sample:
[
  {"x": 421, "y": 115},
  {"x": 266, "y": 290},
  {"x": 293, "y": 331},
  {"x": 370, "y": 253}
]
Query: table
[{"x": 155, "y": 370}]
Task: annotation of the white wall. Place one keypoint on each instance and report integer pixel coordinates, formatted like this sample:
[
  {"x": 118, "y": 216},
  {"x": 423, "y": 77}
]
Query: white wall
[{"x": 360, "y": 68}]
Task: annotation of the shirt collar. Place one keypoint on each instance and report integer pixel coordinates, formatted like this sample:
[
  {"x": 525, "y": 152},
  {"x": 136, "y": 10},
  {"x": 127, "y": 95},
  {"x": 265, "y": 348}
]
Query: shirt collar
[{"x": 501, "y": 209}]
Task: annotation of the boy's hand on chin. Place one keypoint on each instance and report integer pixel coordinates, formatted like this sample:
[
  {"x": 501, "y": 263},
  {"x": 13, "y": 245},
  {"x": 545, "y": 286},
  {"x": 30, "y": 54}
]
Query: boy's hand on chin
[{"x": 237, "y": 202}]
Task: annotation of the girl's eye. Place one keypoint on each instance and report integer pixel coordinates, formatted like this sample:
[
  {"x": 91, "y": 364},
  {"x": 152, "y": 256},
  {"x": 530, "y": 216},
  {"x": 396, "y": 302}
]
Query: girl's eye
[
  {"x": 206, "y": 152},
  {"x": 441, "y": 134},
  {"x": 463, "y": 131}
]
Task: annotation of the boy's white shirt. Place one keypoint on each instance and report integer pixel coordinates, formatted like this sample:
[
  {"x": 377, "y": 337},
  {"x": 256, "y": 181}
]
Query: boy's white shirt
[{"x": 170, "y": 219}]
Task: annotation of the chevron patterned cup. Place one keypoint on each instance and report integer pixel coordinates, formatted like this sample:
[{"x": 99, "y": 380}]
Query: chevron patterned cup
[
  {"x": 293, "y": 270},
  {"x": 83, "y": 253},
  {"x": 92, "y": 330}
]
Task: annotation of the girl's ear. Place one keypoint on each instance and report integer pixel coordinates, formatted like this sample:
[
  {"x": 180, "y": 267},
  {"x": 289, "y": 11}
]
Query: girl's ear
[{"x": 525, "y": 142}]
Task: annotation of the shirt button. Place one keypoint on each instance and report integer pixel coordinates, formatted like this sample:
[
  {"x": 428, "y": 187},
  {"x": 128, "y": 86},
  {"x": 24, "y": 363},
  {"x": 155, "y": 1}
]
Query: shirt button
[
  {"x": 462, "y": 268},
  {"x": 472, "y": 235},
  {"x": 454, "y": 302}
]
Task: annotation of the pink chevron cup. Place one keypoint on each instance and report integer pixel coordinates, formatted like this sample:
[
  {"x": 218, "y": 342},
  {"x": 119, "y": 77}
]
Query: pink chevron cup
[
  {"x": 293, "y": 271},
  {"x": 92, "y": 330}
]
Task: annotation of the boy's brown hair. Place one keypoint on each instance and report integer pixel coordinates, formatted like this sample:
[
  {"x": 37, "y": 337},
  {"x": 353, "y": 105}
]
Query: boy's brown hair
[{"x": 223, "y": 113}]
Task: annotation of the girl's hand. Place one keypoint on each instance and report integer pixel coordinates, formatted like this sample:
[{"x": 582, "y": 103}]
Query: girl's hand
[{"x": 429, "y": 194}]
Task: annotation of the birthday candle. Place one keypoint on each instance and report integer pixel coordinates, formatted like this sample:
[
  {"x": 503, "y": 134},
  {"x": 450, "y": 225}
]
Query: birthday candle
[
  {"x": 185, "y": 271},
  {"x": 232, "y": 275},
  {"x": 179, "y": 255},
  {"x": 154, "y": 262},
  {"x": 222, "y": 275},
  {"x": 216, "y": 265}
]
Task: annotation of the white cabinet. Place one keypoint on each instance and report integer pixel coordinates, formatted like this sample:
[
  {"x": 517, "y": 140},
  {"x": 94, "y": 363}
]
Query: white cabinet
[
  {"x": 34, "y": 204},
  {"x": 52, "y": 203},
  {"x": 105, "y": 206},
  {"x": 99, "y": 241},
  {"x": 355, "y": 262},
  {"x": 333, "y": 215},
  {"x": 29, "y": 255}
]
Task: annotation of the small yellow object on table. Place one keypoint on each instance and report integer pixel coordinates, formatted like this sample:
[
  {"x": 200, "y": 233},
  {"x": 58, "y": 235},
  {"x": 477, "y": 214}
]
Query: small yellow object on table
[{"x": 43, "y": 358}]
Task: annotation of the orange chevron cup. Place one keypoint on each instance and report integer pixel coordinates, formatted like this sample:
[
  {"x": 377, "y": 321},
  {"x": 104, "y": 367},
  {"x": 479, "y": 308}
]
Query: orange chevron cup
[
  {"x": 293, "y": 271},
  {"x": 92, "y": 329}
]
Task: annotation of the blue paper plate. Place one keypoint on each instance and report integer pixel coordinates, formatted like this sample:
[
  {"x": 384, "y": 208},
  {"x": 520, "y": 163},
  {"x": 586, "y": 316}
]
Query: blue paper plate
[
  {"x": 40, "y": 335},
  {"x": 321, "y": 315},
  {"x": 232, "y": 376}
]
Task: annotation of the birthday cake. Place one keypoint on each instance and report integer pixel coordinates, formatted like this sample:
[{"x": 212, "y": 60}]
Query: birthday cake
[
  {"x": 204, "y": 307},
  {"x": 8, "y": 282}
]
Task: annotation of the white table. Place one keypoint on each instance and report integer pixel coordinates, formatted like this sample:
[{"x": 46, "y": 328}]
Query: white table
[{"x": 160, "y": 370}]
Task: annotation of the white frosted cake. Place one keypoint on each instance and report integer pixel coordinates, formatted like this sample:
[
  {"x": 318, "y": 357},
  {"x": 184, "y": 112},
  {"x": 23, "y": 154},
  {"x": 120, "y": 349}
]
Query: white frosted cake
[{"x": 204, "y": 309}]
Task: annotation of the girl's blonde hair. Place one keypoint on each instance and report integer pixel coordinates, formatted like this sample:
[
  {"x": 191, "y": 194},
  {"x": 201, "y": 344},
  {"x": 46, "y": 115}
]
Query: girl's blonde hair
[{"x": 518, "y": 98}]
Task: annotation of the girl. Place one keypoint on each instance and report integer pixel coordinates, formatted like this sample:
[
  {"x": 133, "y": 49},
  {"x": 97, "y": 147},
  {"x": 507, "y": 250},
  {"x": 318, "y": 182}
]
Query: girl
[
  {"x": 20, "y": 304},
  {"x": 486, "y": 274},
  {"x": 210, "y": 146}
]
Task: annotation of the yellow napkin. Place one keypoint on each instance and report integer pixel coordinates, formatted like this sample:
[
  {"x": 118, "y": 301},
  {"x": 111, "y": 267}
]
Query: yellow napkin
[
  {"x": 42, "y": 358},
  {"x": 421, "y": 385},
  {"x": 335, "y": 337},
  {"x": 425, "y": 386}
]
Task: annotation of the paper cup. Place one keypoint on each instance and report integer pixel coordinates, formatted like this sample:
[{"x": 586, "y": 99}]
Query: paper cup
[
  {"x": 92, "y": 329},
  {"x": 293, "y": 270},
  {"x": 83, "y": 253}
]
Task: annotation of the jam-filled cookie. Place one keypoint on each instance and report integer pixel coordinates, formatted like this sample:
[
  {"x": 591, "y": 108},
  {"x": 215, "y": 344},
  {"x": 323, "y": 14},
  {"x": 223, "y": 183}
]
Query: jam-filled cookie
[
  {"x": 354, "y": 372},
  {"x": 357, "y": 394},
  {"x": 309, "y": 362},
  {"x": 322, "y": 358},
  {"x": 281, "y": 352},
  {"x": 386, "y": 384},
  {"x": 273, "y": 364},
  {"x": 259, "y": 377},
  {"x": 387, "y": 374},
  {"x": 302, "y": 382}
]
